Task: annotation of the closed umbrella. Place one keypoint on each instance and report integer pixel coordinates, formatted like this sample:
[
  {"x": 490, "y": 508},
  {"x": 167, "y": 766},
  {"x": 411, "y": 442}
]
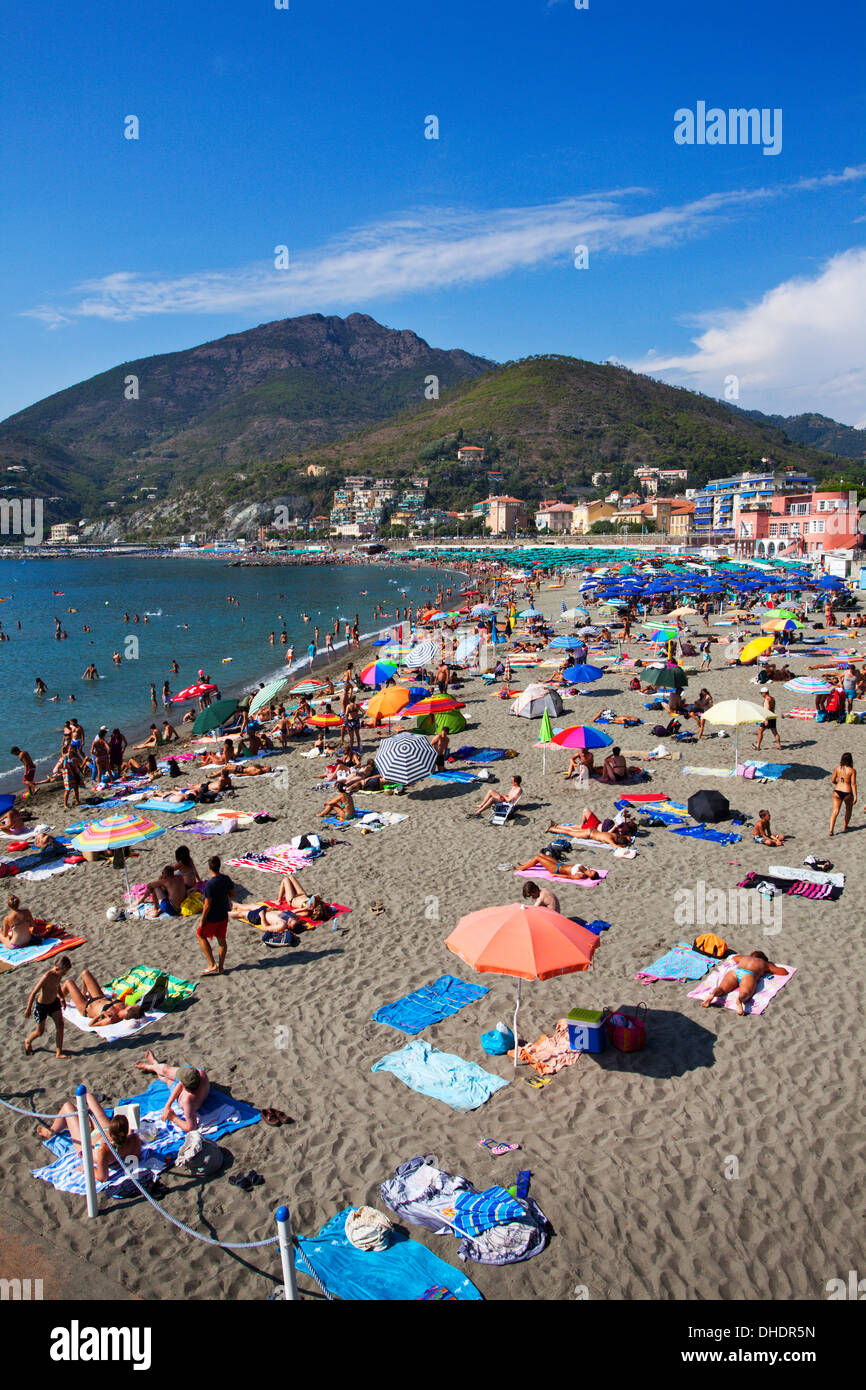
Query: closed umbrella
[
  {"x": 545, "y": 734},
  {"x": 735, "y": 712},
  {"x": 210, "y": 718},
  {"x": 117, "y": 832},
  {"x": 267, "y": 693},
  {"x": 405, "y": 758},
  {"x": 530, "y": 943}
]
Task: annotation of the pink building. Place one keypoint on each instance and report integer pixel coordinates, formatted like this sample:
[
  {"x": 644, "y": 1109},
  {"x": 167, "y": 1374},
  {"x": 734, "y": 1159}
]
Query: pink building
[{"x": 795, "y": 524}]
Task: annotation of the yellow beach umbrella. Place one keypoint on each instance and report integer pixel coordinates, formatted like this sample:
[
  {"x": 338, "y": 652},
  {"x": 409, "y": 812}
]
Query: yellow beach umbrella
[
  {"x": 735, "y": 712},
  {"x": 753, "y": 649}
]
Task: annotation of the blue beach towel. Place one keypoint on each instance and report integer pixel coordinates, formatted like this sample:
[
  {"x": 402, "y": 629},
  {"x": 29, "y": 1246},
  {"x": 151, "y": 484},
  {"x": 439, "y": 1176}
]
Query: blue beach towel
[
  {"x": 430, "y": 1004},
  {"x": 453, "y": 775},
  {"x": 20, "y": 955},
  {"x": 681, "y": 962},
  {"x": 441, "y": 1075},
  {"x": 169, "y": 806},
  {"x": 469, "y": 754},
  {"x": 703, "y": 832},
  {"x": 405, "y": 1270},
  {"x": 218, "y": 1116}
]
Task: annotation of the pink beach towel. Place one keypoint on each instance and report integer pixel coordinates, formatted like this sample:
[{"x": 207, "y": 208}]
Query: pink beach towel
[
  {"x": 767, "y": 989},
  {"x": 554, "y": 878}
]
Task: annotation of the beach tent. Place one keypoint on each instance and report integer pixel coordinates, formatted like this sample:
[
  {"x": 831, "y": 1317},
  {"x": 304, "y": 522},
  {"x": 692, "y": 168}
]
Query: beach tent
[
  {"x": 532, "y": 702},
  {"x": 450, "y": 719},
  {"x": 528, "y": 942}
]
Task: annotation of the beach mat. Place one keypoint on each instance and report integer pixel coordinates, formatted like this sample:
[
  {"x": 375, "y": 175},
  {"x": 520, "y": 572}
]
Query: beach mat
[
  {"x": 404, "y": 1270},
  {"x": 170, "y": 807},
  {"x": 441, "y": 1075},
  {"x": 767, "y": 989},
  {"x": 703, "y": 832},
  {"x": 56, "y": 941},
  {"x": 431, "y": 1003},
  {"x": 681, "y": 962},
  {"x": 554, "y": 878}
]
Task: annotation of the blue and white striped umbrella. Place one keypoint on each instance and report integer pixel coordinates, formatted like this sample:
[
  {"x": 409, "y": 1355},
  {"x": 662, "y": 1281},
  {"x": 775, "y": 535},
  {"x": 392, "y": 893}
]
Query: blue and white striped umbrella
[
  {"x": 421, "y": 655},
  {"x": 405, "y": 758}
]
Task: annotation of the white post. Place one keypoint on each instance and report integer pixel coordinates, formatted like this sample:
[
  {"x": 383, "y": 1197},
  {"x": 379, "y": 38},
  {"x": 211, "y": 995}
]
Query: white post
[
  {"x": 287, "y": 1259},
  {"x": 516, "y": 1011},
  {"x": 86, "y": 1150}
]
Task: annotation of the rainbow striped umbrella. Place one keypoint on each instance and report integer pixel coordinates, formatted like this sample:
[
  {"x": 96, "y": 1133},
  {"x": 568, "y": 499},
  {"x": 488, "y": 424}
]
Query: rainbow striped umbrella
[
  {"x": 116, "y": 832},
  {"x": 378, "y": 672},
  {"x": 324, "y": 721}
]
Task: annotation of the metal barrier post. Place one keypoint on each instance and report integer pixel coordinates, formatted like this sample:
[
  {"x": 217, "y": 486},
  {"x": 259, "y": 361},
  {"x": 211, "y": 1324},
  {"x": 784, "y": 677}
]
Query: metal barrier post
[
  {"x": 284, "y": 1234},
  {"x": 86, "y": 1150}
]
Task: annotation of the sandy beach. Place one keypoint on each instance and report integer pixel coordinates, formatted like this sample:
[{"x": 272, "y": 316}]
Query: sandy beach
[{"x": 718, "y": 1163}]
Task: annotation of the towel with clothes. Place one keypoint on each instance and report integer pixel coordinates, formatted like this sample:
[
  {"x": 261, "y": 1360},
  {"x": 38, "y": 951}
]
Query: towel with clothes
[
  {"x": 681, "y": 962},
  {"x": 767, "y": 989},
  {"x": 403, "y": 1271},
  {"x": 422, "y": 1194},
  {"x": 431, "y": 1003},
  {"x": 550, "y": 1053},
  {"x": 441, "y": 1075},
  {"x": 52, "y": 940}
]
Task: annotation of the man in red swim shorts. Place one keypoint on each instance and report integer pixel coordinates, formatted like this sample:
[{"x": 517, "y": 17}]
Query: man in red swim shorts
[{"x": 218, "y": 894}]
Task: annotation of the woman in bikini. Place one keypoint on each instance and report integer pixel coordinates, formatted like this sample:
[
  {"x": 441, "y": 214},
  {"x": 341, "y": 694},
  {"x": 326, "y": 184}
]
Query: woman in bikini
[
  {"x": 557, "y": 870},
  {"x": 590, "y": 829},
  {"x": 744, "y": 975},
  {"x": 844, "y": 789},
  {"x": 94, "y": 1004},
  {"x": 298, "y": 900},
  {"x": 127, "y": 1144}
]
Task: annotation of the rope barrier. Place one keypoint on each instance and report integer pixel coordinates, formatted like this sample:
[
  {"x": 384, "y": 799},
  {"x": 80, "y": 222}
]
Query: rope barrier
[{"x": 180, "y": 1225}]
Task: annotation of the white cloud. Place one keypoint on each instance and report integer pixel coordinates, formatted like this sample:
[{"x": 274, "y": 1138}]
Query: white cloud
[
  {"x": 427, "y": 250},
  {"x": 801, "y": 347}
]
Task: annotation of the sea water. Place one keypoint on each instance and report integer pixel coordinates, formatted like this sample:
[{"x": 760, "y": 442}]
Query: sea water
[{"x": 188, "y": 620}]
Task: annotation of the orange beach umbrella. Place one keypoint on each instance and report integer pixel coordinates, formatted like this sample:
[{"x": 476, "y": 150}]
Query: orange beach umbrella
[{"x": 528, "y": 942}]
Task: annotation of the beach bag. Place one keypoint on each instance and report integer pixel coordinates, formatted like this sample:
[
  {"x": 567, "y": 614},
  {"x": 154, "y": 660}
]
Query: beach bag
[
  {"x": 497, "y": 1042},
  {"x": 368, "y": 1229},
  {"x": 199, "y": 1156},
  {"x": 852, "y": 718},
  {"x": 659, "y": 731},
  {"x": 711, "y": 945},
  {"x": 192, "y": 905},
  {"x": 206, "y": 796},
  {"x": 627, "y": 1031}
]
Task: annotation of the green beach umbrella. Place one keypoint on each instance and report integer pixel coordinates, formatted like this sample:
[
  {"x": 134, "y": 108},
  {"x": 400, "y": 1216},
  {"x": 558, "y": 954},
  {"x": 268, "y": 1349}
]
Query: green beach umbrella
[
  {"x": 210, "y": 718},
  {"x": 267, "y": 693}
]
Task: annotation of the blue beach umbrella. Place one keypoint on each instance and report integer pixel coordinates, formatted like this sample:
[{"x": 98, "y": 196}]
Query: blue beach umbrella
[{"x": 579, "y": 674}]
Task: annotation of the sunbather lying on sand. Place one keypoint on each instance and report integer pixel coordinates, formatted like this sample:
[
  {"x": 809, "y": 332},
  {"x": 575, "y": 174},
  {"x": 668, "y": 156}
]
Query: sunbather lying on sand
[
  {"x": 221, "y": 759},
  {"x": 745, "y": 974},
  {"x": 553, "y": 866},
  {"x": 589, "y": 829},
  {"x": 299, "y": 900},
  {"x": 190, "y": 1087},
  {"x": 92, "y": 1002},
  {"x": 364, "y": 779},
  {"x": 13, "y": 821},
  {"x": 223, "y": 783},
  {"x": 126, "y": 1144},
  {"x": 274, "y": 918}
]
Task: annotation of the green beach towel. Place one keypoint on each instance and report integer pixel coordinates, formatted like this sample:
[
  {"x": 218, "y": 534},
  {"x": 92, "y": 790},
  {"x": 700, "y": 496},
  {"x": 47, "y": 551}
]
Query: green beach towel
[{"x": 145, "y": 976}]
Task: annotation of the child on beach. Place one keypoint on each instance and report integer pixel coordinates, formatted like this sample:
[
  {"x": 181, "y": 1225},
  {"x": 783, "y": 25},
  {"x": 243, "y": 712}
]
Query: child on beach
[
  {"x": 29, "y": 769},
  {"x": 45, "y": 999}
]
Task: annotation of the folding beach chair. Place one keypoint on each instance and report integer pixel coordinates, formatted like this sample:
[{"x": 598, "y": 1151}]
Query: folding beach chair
[{"x": 501, "y": 812}]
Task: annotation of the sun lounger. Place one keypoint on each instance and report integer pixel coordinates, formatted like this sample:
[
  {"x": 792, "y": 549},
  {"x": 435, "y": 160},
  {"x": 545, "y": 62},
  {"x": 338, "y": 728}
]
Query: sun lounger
[{"x": 501, "y": 812}]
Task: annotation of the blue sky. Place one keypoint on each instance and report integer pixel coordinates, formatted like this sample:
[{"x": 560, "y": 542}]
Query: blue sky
[{"x": 305, "y": 127}]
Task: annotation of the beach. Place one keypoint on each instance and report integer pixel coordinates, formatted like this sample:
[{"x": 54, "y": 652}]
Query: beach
[{"x": 718, "y": 1163}]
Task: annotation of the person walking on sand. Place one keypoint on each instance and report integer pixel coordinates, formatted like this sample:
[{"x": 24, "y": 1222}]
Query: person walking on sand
[
  {"x": 770, "y": 720},
  {"x": 28, "y": 767},
  {"x": 844, "y": 790},
  {"x": 45, "y": 1000},
  {"x": 219, "y": 892}
]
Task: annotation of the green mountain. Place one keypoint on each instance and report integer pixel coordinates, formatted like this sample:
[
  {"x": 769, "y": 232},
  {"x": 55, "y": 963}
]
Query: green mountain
[
  {"x": 548, "y": 424},
  {"x": 819, "y": 432},
  {"x": 184, "y": 420}
]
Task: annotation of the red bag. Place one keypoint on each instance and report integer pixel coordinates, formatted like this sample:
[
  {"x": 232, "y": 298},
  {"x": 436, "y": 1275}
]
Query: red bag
[{"x": 627, "y": 1031}]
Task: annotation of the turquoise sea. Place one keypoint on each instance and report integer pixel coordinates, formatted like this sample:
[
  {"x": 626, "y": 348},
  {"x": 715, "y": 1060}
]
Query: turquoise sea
[{"x": 169, "y": 593}]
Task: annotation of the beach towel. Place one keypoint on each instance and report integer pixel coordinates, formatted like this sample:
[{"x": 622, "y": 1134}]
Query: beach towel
[
  {"x": 404, "y": 1270},
  {"x": 376, "y": 820},
  {"x": 708, "y": 772},
  {"x": 218, "y": 1116},
  {"x": 197, "y": 827},
  {"x": 550, "y": 1053},
  {"x": 801, "y": 714},
  {"x": 144, "y": 977},
  {"x": 307, "y": 923},
  {"x": 430, "y": 1004},
  {"x": 453, "y": 775},
  {"x": 468, "y": 754},
  {"x": 681, "y": 962},
  {"x": 703, "y": 832},
  {"x": 171, "y": 807},
  {"x": 638, "y": 798},
  {"x": 112, "y": 1031},
  {"x": 807, "y": 875},
  {"x": 770, "y": 771},
  {"x": 441, "y": 1075},
  {"x": 271, "y": 864},
  {"x": 243, "y": 818},
  {"x": 53, "y": 941},
  {"x": 767, "y": 989},
  {"x": 555, "y": 878}
]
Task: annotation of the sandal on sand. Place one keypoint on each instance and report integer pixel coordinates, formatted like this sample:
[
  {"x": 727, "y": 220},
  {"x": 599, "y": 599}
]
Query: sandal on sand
[
  {"x": 377, "y": 907},
  {"x": 275, "y": 1117},
  {"x": 241, "y": 1180},
  {"x": 496, "y": 1148},
  {"x": 536, "y": 1082}
]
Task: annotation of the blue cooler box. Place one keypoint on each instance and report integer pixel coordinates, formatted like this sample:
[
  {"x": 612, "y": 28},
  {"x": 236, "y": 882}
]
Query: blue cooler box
[{"x": 586, "y": 1030}]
